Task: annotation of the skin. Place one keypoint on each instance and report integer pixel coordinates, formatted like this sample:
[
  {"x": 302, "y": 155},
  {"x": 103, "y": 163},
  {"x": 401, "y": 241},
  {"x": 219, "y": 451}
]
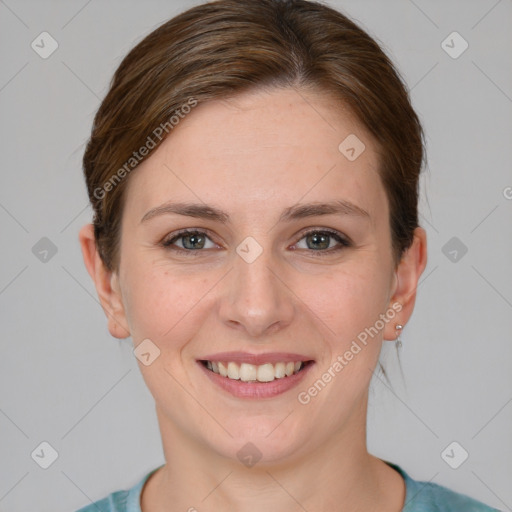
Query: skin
[{"x": 253, "y": 156}]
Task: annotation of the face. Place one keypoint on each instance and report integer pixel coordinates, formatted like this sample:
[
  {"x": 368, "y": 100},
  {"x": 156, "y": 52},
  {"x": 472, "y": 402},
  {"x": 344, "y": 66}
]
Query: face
[{"x": 260, "y": 279}]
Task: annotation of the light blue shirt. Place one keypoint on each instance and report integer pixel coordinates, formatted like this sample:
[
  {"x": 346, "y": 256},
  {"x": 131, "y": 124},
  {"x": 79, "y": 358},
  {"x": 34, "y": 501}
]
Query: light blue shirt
[{"x": 420, "y": 497}]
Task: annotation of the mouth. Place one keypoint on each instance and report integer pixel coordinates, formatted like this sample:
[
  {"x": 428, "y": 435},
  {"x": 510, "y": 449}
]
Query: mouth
[
  {"x": 247, "y": 372},
  {"x": 247, "y": 376}
]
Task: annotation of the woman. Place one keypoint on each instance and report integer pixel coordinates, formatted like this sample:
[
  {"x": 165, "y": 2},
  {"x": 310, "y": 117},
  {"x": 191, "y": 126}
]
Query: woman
[{"x": 254, "y": 174}]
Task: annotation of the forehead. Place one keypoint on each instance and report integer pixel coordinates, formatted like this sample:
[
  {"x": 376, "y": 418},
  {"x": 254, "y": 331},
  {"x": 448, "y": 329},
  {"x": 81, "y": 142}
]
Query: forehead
[{"x": 260, "y": 148}]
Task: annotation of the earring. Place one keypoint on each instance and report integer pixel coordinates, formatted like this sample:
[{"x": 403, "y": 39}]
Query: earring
[{"x": 398, "y": 341}]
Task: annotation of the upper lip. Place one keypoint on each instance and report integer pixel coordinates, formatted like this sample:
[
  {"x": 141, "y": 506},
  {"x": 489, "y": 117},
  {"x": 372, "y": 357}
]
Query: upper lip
[{"x": 256, "y": 359}]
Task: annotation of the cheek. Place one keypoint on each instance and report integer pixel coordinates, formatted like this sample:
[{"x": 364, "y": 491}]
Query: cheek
[
  {"x": 158, "y": 300},
  {"x": 350, "y": 304},
  {"x": 348, "y": 299}
]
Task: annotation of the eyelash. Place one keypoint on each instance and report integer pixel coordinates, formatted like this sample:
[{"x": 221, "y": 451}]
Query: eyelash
[{"x": 344, "y": 243}]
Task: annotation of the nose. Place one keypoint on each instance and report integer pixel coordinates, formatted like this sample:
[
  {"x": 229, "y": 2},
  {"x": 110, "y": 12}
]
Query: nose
[{"x": 256, "y": 298}]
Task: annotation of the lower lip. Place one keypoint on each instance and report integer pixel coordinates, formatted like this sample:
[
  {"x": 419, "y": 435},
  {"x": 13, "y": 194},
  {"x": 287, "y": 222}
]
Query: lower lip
[{"x": 243, "y": 389}]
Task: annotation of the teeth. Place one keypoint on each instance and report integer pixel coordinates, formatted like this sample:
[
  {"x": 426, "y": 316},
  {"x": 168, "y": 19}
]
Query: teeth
[
  {"x": 233, "y": 371},
  {"x": 223, "y": 370},
  {"x": 249, "y": 372},
  {"x": 266, "y": 373},
  {"x": 280, "y": 369}
]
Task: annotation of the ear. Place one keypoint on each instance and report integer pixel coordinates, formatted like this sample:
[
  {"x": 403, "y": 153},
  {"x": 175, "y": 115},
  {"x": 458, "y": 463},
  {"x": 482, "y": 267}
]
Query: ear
[
  {"x": 406, "y": 278},
  {"x": 106, "y": 282}
]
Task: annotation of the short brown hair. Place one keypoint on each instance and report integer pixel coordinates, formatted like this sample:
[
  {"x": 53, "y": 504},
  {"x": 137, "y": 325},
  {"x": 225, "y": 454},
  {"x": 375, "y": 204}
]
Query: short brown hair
[{"x": 225, "y": 47}]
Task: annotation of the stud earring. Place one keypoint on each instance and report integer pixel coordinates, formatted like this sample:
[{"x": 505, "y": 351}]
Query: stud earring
[{"x": 398, "y": 341}]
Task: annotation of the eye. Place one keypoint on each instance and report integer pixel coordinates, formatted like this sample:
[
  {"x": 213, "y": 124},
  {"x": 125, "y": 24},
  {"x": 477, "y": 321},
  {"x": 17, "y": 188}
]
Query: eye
[
  {"x": 192, "y": 240},
  {"x": 320, "y": 241}
]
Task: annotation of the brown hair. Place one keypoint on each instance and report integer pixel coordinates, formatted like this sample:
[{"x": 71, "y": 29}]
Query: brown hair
[{"x": 225, "y": 47}]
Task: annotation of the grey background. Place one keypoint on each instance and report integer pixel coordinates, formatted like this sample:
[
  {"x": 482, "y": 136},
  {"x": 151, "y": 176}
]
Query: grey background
[{"x": 64, "y": 380}]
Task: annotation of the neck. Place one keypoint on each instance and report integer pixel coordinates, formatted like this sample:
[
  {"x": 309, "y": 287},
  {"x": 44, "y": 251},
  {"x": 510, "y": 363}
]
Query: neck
[{"x": 337, "y": 475}]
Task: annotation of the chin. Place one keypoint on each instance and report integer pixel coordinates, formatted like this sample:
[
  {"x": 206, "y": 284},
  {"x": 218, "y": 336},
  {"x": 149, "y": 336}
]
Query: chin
[{"x": 262, "y": 442}]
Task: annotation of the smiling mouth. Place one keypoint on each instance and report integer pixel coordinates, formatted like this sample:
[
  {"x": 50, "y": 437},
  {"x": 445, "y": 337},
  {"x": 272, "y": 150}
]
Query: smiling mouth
[{"x": 246, "y": 372}]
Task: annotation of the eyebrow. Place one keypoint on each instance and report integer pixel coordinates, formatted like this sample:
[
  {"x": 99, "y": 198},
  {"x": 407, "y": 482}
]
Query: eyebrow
[{"x": 298, "y": 211}]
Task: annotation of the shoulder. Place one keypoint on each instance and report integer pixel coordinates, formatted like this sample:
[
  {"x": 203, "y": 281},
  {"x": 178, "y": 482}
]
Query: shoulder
[
  {"x": 424, "y": 496},
  {"x": 115, "y": 502},
  {"x": 126, "y": 500},
  {"x": 430, "y": 497}
]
